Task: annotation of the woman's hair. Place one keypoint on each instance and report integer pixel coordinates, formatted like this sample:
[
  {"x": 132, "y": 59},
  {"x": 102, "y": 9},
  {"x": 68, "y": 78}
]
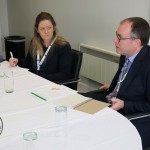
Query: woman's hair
[
  {"x": 36, "y": 43},
  {"x": 139, "y": 29}
]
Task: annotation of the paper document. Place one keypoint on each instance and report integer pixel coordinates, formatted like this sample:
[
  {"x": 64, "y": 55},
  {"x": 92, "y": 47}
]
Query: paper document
[
  {"x": 17, "y": 71},
  {"x": 51, "y": 92},
  {"x": 71, "y": 101}
]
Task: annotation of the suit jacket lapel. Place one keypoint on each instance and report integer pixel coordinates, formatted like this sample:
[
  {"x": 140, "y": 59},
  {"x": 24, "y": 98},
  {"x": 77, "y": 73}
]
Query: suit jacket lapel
[{"x": 133, "y": 71}]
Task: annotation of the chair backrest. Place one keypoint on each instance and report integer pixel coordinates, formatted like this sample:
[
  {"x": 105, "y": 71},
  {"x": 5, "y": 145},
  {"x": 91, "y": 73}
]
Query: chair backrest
[
  {"x": 72, "y": 82},
  {"x": 76, "y": 63}
]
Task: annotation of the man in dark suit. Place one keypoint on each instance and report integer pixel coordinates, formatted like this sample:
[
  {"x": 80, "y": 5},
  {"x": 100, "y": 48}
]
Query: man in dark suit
[{"x": 129, "y": 92}]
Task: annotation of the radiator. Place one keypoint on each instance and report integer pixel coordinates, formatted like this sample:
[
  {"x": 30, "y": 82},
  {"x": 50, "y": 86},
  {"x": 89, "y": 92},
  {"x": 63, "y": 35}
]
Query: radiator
[{"x": 98, "y": 64}]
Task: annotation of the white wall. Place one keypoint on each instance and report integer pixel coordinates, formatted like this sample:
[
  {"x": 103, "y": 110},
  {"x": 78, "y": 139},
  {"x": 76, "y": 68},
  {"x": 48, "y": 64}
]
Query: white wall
[
  {"x": 92, "y": 22},
  {"x": 3, "y": 23},
  {"x": 0, "y": 40}
]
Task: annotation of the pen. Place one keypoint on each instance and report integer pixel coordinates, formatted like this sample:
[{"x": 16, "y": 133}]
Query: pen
[
  {"x": 38, "y": 96},
  {"x": 11, "y": 54}
]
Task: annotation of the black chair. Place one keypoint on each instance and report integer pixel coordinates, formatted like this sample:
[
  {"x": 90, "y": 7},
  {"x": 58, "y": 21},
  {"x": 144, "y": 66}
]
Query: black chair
[
  {"x": 75, "y": 70},
  {"x": 142, "y": 123}
]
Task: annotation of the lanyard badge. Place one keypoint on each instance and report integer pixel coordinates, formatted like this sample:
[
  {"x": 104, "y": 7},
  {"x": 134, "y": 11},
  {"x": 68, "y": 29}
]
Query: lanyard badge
[{"x": 40, "y": 62}]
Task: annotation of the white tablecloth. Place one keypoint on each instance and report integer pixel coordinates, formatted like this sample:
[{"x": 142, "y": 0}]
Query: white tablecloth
[
  {"x": 22, "y": 112},
  {"x": 105, "y": 130}
]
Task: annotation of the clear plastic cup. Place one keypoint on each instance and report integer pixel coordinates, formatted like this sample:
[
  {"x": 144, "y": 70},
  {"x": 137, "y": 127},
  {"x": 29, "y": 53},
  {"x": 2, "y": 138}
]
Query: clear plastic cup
[{"x": 8, "y": 81}]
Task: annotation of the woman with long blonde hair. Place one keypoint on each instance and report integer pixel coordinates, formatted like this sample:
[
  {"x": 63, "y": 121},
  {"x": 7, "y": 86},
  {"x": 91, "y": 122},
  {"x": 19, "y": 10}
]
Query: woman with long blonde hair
[{"x": 49, "y": 55}]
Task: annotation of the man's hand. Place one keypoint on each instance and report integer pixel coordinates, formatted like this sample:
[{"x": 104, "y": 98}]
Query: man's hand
[
  {"x": 104, "y": 87},
  {"x": 117, "y": 103}
]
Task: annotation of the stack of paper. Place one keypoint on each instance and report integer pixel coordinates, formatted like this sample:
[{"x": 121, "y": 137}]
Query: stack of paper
[
  {"x": 71, "y": 101},
  {"x": 64, "y": 96},
  {"x": 17, "y": 71},
  {"x": 52, "y": 92}
]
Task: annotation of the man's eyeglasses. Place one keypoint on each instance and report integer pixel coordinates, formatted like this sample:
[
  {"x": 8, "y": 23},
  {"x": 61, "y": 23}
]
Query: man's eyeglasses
[{"x": 120, "y": 38}]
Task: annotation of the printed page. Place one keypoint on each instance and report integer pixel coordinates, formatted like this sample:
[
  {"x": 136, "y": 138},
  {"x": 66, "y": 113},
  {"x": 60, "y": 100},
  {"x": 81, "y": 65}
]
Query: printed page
[
  {"x": 51, "y": 92},
  {"x": 71, "y": 101},
  {"x": 17, "y": 71}
]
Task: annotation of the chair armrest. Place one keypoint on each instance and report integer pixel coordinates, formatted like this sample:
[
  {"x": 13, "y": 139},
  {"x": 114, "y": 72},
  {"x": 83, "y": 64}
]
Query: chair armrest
[
  {"x": 69, "y": 81},
  {"x": 137, "y": 116},
  {"x": 97, "y": 91}
]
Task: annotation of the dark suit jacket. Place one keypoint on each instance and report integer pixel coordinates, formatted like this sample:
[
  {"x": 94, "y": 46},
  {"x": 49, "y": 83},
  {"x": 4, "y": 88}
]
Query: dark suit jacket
[
  {"x": 56, "y": 66},
  {"x": 135, "y": 89}
]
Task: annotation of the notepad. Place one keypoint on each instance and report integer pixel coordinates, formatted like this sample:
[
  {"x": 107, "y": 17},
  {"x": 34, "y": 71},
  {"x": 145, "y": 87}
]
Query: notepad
[
  {"x": 92, "y": 106},
  {"x": 71, "y": 101}
]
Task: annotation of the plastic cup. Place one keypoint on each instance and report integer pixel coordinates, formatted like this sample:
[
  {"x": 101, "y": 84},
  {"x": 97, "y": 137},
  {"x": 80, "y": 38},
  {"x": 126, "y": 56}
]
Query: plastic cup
[{"x": 8, "y": 81}]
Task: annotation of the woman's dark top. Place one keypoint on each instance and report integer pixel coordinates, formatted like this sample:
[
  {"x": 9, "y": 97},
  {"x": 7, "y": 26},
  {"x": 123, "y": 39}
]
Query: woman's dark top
[{"x": 56, "y": 66}]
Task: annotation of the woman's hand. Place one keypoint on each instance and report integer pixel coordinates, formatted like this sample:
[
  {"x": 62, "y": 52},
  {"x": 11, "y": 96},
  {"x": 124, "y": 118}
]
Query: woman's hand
[{"x": 13, "y": 61}]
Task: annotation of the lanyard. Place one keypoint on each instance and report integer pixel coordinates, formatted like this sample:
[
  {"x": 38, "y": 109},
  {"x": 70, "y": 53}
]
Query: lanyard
[
  {"x": 121, "y": 80},
  {"x": 123, "y": 75},
  {"x": 39, "y": 63}
]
